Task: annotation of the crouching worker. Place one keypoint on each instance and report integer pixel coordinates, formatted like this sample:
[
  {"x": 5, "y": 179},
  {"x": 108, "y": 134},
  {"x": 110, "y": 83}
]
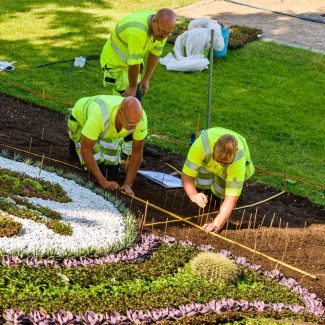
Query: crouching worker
[
  {"x": 218, "y": 161},
  {"x": 97, "y": 127}
]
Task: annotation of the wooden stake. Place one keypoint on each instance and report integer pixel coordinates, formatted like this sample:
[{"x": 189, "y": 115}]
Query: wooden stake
[
  {"x": 141, "y": 223},
  {"x": 302, "y": 240},
  {"x": 166, "y": 198},
  {"x": 182, "y": 199},
  {"x": 42, "y": 161},
  {"x": 312, "y": 252},
  {"x": 165, "y": 232},
  {"x": 241, "y": 220},
  {"x": 248, "y": 228},
  {"x": 152, "y": 224},
  {"x": 131, "y": 202},
  {"x": 279, "y": 233},
  {"x": 269, "y": 233},
  {"x": 227, "y": 224},
  {"x": 30, "y": 144},
  {"x": 255, "y": 218},
  {"x": 145, "y": 212},
  {"x": 174, "y": 197},
  {"x": 50, "y": 150},
  {"x": 9, "y": 136},
  {"x": 42, "y": 134}
]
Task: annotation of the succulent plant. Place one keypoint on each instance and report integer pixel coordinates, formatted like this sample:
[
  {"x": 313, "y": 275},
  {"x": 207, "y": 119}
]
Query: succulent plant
[{"x": 214, "y": 267}]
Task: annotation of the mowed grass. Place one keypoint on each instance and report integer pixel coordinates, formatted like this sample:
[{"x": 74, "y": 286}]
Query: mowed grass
[{"x": 273, "y": 95}]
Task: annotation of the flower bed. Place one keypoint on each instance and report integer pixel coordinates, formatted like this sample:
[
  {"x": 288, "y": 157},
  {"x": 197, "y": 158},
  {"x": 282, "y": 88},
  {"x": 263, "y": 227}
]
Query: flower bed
[{"x": 148, "y": 282}]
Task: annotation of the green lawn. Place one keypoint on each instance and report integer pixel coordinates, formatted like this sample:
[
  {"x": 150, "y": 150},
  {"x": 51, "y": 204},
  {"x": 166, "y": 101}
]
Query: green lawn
[{"x": 271, "y": 94}]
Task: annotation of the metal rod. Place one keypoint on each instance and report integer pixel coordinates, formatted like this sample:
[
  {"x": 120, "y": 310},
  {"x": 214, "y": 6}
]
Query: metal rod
[{"x": 210, "y": 80}]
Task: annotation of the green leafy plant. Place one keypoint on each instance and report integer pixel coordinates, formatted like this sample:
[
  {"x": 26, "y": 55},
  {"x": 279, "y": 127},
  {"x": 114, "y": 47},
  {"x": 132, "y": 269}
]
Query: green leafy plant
[{"x": 214, "y": 267}]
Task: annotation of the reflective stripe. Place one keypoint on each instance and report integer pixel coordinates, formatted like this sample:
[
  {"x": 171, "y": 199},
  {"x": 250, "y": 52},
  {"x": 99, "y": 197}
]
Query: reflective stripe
[
  {"x": 234, "y": 184},
  {"x": 218, "y": 188},
  {"x": 109, "y": 145},
  {"x": 118, "y": 52},
  {"x": 205, "y": 143},
  {"x": 158, "y": 48},
  {"x": 204, "y": 181},
  {"x": 132, "y": 24},
  {"x": 113, "y": 159},
  {"x": 97, "y": 156},
  {"x": 203, "y": 171},
  {"x": 105, "y": 114},
  {"x": 135, "y": 56},
  {"x": 240, "y": 154},
  {"x": 191, "y": 165}
]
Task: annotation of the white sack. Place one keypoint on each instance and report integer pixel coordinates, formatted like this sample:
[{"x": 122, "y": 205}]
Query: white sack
[
  {"x": 209, "y": 24},
  {"x": 189, "y": 46}
]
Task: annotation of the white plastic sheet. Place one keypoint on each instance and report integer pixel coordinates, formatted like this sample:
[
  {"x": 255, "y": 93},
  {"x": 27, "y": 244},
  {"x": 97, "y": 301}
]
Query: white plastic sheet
[
  {"x": 189, "y": 47},
  {"x": 166, "y": 180}
]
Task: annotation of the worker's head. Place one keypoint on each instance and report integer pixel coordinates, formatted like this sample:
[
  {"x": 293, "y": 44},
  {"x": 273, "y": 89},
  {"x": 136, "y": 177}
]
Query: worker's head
[
  {"x": 130, "y": 112},
  {"x": 225, "y": 149},
  {"x": 163, "y": 23}
]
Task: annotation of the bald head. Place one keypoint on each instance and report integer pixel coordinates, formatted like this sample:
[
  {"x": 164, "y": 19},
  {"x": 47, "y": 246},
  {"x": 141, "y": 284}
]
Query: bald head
[
  {"x": 163, "y": 23},
  {"x": 166, "y": 15},
  {"x": 130, "y": 112}
]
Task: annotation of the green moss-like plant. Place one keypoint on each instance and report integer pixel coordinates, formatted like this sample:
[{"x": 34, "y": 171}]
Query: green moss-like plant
[
  {"x": 8, "y": 227},
  {"x": 214, "y": 267}
]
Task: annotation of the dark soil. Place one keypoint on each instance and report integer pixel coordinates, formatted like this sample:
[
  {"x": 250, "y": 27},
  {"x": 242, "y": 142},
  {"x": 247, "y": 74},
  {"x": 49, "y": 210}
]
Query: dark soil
[{"x": 288, "y": 228}]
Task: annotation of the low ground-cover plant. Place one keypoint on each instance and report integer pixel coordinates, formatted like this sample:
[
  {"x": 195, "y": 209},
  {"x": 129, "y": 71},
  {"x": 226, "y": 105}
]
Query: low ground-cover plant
[
  {"x": 163, "y": 280},
  {"x": 13, "y": 183},
  {"x": 8, "y": 227}
]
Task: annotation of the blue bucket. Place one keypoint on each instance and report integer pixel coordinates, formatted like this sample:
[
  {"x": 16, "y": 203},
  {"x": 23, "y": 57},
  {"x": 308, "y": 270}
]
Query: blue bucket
[{"x": 225, "y": 34}]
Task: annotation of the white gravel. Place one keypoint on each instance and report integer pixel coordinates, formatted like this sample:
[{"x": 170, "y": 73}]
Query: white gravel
[{"x": 94, "y": 220}]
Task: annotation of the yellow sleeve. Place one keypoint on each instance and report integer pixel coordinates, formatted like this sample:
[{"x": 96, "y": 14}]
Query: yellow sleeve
[
  {"x": 141, "y": 130},
  {"x": 194, "y": 159},
  {"x": 158, "y": 47}
]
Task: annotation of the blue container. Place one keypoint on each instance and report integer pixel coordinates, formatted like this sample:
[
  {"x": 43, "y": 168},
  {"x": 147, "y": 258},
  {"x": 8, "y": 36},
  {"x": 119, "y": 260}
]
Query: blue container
[{"x": 225, "y": 34}]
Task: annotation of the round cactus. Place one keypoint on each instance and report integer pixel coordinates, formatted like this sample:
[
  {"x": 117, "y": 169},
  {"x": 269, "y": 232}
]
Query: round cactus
[{"x": 214, "y": 267}]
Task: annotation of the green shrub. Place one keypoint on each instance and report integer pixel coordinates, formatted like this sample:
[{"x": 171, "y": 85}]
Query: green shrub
[{"x": 214, "y": 267}]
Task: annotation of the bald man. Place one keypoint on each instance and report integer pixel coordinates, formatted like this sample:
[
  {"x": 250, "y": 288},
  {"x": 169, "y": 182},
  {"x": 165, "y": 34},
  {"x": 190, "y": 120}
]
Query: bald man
[
  {"x": 136, "y": 36},
  {"x": 97, "y": 127}
]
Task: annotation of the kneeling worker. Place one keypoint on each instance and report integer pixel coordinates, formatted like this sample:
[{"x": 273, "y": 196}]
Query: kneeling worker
[
  {"x": 218, "y": 161},
  {"x": 97, "y": 127}
]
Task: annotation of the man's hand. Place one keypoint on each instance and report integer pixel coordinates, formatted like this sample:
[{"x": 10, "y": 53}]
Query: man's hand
[
  {"x": 130, "y": 91},
  {"x": 200, "y": 199},
  {"x": 144, "y": 86},
  {"x": 208, "y": 227},
  {"x": 111, "y": 186},
  {"x": 127, "y": 189}
]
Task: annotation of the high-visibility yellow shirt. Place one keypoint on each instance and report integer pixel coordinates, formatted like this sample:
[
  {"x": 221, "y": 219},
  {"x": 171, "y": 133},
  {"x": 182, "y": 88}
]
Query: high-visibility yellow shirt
[
  {"x": 232, "y": 175},
  {"x": 97, "y": 115},
  {"x": 130, "y": 41}
]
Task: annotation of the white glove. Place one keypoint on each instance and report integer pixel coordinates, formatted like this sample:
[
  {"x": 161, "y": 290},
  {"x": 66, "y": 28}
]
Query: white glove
[{"x": 7, "y": 66}]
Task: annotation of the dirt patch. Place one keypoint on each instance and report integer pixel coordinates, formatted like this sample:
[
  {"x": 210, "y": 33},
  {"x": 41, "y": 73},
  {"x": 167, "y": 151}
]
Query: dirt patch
[{"x": 288, "y": 228}]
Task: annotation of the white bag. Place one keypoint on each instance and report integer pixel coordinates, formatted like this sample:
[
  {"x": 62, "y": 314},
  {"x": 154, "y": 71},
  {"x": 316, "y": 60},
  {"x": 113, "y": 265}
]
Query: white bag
[{"x": 189, "y": 46}]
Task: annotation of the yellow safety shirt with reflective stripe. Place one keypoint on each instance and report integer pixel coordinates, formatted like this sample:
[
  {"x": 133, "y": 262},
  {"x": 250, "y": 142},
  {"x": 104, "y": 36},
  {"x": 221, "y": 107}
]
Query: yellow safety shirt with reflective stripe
[
  {"x": 130, "y": 41},
  {"x": 201, "y": 155},
  {"x": 97, "y": 116}
]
